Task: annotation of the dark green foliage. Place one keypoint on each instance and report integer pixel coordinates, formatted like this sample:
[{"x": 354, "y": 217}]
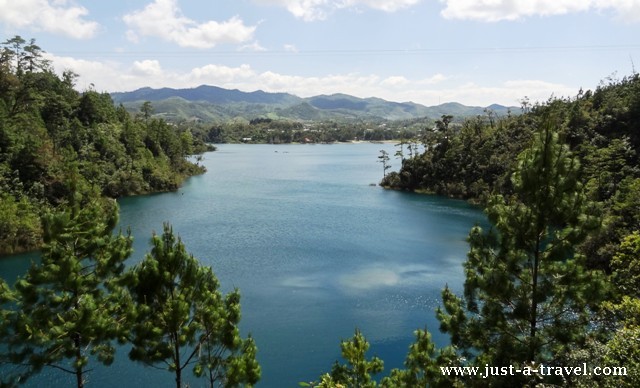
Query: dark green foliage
[
  {"x": 622, "y": 217},
  {"x": 601, "y": 127},
  {"x": 527, "y": 294},
  {"x": 622, "y": 348},
  {"x": 224, "y": 359},
  {"x": 467, "y": 161},
  {"x": 358, "y": 371},
  {"x": 423, "y": 365},
  {"x": 77, "y": 302},
  {"x": 270, "y": 131},
  {"x": 70, "y": 306},
  {"x": 48, "y": 129},
  {"x": 19, "y": 224},
  {"x": 7, "y": 297},
  {"x": 183, "y": 320},
  {"x": 626, "y": 266}
]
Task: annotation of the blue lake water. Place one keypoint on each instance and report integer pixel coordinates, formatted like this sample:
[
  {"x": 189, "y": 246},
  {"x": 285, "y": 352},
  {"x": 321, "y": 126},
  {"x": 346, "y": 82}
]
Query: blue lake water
[{"x": 315, "y": 250}]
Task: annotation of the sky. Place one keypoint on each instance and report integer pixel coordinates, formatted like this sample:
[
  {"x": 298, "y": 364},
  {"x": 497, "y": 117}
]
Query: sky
[{"x": 475, "y": 52}]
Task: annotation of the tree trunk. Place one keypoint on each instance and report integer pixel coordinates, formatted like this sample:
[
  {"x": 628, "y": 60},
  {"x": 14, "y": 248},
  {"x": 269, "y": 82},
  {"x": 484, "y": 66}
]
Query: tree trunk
[
  {"x": 176, "y": 347},
  {"x": 79, "y": 379},
  {"x": 79, "y": 372},
  {"x": 533, "y": 316}
]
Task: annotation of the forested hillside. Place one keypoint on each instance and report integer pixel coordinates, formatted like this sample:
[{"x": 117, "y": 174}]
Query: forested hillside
[
  {"x": 213, "y": 104},
  {"x": 55, "y": 141},
  {"x": 551, "y": 291},
  {"x": 602, "y": 128}
]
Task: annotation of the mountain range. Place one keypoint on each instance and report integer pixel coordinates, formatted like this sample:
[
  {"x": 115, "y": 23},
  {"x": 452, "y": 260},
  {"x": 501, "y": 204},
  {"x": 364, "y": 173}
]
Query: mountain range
[{"x": 213, "y": 104}]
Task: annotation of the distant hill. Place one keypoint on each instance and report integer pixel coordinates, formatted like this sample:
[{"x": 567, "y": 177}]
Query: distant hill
[
  {"x": 206, "y": 93},
  {"x": 212, "y": 103}
]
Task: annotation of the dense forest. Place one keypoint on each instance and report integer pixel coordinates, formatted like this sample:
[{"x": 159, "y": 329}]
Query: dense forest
[
  {"x": 266, "y": 130},
  {"x": 601, "y": 128},
  {"x": 63, "y": 156},
  {"x": 55, "y": 141},
  {"x": 555, "y": 281}
]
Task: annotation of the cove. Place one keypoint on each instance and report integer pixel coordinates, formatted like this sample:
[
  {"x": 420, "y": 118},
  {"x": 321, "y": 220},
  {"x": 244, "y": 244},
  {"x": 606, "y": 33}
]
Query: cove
[{"x": 315, "y": 250}]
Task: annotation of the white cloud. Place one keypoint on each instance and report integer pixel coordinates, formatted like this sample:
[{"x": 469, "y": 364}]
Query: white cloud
[
  {"x": 352, "y": 83},
  {"x": 164, "y": 19},
  {"x": 147, "y": 67},
  {"x": 255, "y": 46},
  {"x": 506, "y": 93},
  {"x": 105, "y": 75},
  {"x": 219, "y": 75},
  {"x": 310, "y": 10},
  {"x": 435, "y": 79},
  {"x": 382, "y": 5},
  {"x": 401, "y": 83},
  {"x": 56, "y": 16},
  {"x": 497, "y": 10},
  {"x": 395, "y": 81}
]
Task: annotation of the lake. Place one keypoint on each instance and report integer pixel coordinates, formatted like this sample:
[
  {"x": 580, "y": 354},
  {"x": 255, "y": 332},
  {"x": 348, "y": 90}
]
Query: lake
[{"x": 315, "y": 250}]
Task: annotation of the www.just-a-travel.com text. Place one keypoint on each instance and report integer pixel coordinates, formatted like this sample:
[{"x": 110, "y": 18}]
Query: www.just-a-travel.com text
[{"x": 542, "y": 370}]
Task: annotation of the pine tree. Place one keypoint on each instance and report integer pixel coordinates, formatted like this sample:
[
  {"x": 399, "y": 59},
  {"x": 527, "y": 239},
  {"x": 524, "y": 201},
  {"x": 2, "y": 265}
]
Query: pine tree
[
  {"x": 384, "y": 159},
  {"x": 6, "y": 297},
  {"x": 183, "y": 320},
  {"x": 422, "y": 365},
  {"x": 622, "y": 347},
  {"x": 358, "y": 371},
  {"x": 224, "y": 357},
  {"x": 527, "y": 293},
  {"x": 70, "y": 306}
]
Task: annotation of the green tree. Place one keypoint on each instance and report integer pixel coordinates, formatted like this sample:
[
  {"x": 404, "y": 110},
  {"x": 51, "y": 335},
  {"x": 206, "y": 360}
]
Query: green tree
[
  {"x": 622, "y": 348},
  {"x": 358, "y": 371},
  {"x": 19, "y": 224},
  {"x": 224, "y": 359},
  {"x": 47, "y": 128},
  {"x": 384, "y": 159},
  {"x": 400, "y": 152},
  {"x": 183, "y": 320},
  {"x": 6, "y": 298},
  {"x": 70, "y": 306},
  {"x": 14, "y": 53},
  {"x": 33, "y": 57},
  {"x": 526, "y": 293},
  {"x": 623, "y": 351},
  {"x": 442, "y": 125},
  {"x": 422, "y": 365},
  {"x": 626, "y": 266},
  {"x": 95, "y": 108},
  {"x": 146, "y": 110}
]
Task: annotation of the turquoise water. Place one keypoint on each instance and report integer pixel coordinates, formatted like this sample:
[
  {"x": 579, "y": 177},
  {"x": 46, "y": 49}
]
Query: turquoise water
[{"x": 315, "y": 250}]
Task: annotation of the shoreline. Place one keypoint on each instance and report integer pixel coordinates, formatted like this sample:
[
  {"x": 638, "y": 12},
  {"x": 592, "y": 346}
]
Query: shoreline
[{"x": 314, "y": 143}]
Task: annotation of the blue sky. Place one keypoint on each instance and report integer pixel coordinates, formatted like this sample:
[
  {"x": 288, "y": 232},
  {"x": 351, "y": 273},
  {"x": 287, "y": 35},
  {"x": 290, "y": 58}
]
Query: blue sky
[{"x": 476, "y": 52}]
